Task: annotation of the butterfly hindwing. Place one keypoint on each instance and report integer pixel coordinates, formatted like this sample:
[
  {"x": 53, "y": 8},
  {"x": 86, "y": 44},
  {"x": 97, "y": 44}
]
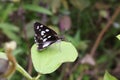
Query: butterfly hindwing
[{"x": 44, "y": 36}]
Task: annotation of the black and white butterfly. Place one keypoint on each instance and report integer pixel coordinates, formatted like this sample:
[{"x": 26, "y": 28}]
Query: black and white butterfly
[{"x": 44, "y": 36}]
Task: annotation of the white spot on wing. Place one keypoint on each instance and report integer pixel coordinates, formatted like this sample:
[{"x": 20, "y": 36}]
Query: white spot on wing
[
  {"x": 46, "y": 44},
  {"x": 41, "y": 25},
  {"x": 37, "y": 27},
  {"x": 44, "y": 39},
  {"x": 47, "y": 30},
  {"x": 35, "y": 40},
  {"x": 42, "y": 33},
  {"x": 49, "y": 36}
]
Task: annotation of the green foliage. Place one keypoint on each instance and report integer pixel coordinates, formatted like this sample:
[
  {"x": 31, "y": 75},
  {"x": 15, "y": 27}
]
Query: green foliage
[
  {"x": 118, "y": 36},
  {"x": 87, "y": 17},
  {"x": 10, "y": 30},
  {"x": 80, "y": 4},
  {"x": 5, "y": 12},
  {"x": 77, "y": 42},
  {"x": 107, "y": 76},
  {"x": 36, "y": 8},
  {"x": 50, "y": 59}
]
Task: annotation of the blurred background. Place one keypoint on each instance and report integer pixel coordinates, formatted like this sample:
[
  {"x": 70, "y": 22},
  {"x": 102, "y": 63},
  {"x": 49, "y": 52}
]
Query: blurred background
[{"x": 90, "y": 25}]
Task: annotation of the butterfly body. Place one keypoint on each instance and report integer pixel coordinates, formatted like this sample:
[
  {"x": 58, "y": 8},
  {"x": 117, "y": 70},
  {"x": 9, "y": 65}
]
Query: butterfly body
[{"x": 44, "y": 36}]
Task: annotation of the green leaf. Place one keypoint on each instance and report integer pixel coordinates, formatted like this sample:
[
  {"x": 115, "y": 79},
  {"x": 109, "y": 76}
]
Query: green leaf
[
  {"x": 77, "y": 36},
  {"x": 72, "y": 40},
  {"x": 7, "y": 11},
  {"x": 51, "y": 58},
  {"x": 118, "y": 36},
  {"x": 37, "y": 9},
  {"x": 107, "y": 76},
  {"x": 12, "y": 35},
  {"x": 10, "y": 30},
  {"x": 8, "y": 26}
]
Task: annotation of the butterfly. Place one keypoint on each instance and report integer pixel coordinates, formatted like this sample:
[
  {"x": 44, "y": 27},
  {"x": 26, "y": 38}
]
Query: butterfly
[{"x": 44, "y": 36}]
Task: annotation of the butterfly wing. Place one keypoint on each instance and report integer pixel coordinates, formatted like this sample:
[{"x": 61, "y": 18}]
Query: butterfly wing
[{"x": 44, "y": 36}]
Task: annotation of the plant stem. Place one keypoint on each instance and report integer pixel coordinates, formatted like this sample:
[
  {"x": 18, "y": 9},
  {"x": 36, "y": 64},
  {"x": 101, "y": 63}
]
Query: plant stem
[
  {"x": 23, "y": 72},
  {"x": 38, "y": 76}
]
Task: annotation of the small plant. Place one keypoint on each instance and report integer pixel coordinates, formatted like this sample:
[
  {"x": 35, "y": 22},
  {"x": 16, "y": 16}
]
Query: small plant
[
  {"x": 108, "y": 76},
  {"x": 44, "y": 62}
]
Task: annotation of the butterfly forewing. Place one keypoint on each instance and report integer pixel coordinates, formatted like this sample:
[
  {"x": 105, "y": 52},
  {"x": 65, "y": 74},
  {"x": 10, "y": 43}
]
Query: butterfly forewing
[{"x": 44, "y": 36}]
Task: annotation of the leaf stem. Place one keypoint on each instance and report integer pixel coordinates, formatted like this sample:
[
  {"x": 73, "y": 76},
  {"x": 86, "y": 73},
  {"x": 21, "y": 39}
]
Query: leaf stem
[
  {"x": 38, "y": 76},
  {"x": 23, "y": 72}
]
